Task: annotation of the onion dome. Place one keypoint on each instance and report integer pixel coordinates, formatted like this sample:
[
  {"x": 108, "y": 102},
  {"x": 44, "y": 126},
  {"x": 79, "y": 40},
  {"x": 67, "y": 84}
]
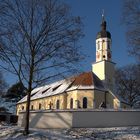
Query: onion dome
[{"x": 103, "y": 33}]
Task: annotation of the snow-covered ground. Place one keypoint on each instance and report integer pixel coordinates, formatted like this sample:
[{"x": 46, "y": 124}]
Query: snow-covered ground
[{"x": 118, "y": 133}]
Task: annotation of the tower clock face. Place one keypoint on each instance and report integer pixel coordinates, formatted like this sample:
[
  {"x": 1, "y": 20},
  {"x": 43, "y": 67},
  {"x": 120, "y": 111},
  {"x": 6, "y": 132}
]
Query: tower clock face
[{"x": 109, "y": 55}]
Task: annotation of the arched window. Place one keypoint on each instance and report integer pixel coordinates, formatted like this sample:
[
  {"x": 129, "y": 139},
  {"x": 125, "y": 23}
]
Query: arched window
[
  {"x": 39, "y": 106},
  {"x": 57, "y": 104},
  {"x": 84, "y": 102},
  {"x": 104, "y": 45},
  {"x": 50, "y": 105},
  {"x": 71, "y": 103},
  {"x": 32, "y": 107},
  {"x": 22, "y": 107},
  {"x": 94, "y": 104}
]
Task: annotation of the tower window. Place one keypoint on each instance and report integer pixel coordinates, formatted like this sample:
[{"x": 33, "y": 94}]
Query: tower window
[
  {"x": 85, "y": 102},
  {"x": 108, "y": 46},
  {"x": 57, "y": 104},
  {"x": 71, "y": 103},
  {"x": 98, "y": 45}
]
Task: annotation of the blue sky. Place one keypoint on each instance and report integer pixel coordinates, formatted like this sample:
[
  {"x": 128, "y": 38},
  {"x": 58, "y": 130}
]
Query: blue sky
[{"x": 91, "y": 11}]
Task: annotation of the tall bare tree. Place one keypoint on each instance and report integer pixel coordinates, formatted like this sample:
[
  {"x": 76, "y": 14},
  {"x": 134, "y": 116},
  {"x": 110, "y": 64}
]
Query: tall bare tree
[
  {"x": 38, "y": 41},
  {"x": 131, "y": 18},
  {"x": 128, "y": 84}
]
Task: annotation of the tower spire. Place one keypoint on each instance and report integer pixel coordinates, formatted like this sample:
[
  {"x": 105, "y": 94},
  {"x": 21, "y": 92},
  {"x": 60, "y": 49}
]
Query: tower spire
[{"x": 104, "y": 67}]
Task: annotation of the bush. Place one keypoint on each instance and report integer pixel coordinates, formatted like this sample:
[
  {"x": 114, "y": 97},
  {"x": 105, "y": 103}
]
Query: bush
[{"x": 3, "y": 109}]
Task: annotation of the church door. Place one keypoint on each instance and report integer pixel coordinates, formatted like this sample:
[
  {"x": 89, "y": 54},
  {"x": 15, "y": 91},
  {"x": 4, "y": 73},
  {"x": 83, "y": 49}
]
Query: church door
[{"x": 84, "y": 102}]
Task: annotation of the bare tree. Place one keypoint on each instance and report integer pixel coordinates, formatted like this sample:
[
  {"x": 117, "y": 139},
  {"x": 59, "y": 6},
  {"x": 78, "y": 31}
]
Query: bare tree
[
  {"x": 3, "y": 85},
  {"x": 38, "y": 41},
  {"x": 128, "y": 84},
  {"x": 131, "y": 18}
]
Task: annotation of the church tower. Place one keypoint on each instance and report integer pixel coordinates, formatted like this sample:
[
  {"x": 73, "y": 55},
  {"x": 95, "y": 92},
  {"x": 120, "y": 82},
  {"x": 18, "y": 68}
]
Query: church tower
[{"x": 104, "y": 67}]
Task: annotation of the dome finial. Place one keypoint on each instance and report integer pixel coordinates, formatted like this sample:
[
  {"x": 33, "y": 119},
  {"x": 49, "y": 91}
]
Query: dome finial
[
  {"x": 103, "y": 15},
  {"x": 103, "y": 24}
]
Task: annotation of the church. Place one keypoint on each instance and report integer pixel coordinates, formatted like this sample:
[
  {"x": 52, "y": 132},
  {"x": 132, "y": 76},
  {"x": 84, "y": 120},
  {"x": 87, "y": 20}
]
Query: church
[{"x": 88, "y": 90}]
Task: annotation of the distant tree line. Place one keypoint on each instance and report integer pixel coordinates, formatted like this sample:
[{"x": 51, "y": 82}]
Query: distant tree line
[
  {"x": 128, "y": 77},
  {"x": 128, "y": 84},
  {"x": 17, "y": 91}
]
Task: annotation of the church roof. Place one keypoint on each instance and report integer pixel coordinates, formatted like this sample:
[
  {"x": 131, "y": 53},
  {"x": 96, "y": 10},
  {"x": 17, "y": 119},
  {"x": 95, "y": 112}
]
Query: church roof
[{"x": 85, "y": 81}]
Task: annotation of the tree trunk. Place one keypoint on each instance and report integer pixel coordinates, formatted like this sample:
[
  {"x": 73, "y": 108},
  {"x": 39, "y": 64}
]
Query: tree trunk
[
  {"x": 27, "y": 115},
  {"x": 26, "y": 130}
]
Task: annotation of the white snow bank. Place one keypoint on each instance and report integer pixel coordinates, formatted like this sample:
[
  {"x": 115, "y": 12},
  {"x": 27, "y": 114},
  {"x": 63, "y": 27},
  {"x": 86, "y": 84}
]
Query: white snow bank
[{"x": 117, "y": 133}]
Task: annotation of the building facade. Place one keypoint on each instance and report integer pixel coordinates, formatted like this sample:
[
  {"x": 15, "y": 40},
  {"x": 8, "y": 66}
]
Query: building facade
[{"x": 89, "y": 90}]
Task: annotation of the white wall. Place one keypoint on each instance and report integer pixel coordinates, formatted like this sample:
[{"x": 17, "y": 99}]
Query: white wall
[
  {"x": 106, "y": 119},
  {"x": 47, "y": 120},
  {"x": 88, "y": 118}
]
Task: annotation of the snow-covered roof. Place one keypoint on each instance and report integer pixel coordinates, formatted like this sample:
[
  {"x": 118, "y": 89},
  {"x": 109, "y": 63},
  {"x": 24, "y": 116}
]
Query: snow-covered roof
[{"x": 86, "y": 80}]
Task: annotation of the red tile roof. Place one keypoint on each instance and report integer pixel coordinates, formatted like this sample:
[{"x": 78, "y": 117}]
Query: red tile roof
[
  {"x": 83, "y": 79},
  {"x": 87, "y": 79}
]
